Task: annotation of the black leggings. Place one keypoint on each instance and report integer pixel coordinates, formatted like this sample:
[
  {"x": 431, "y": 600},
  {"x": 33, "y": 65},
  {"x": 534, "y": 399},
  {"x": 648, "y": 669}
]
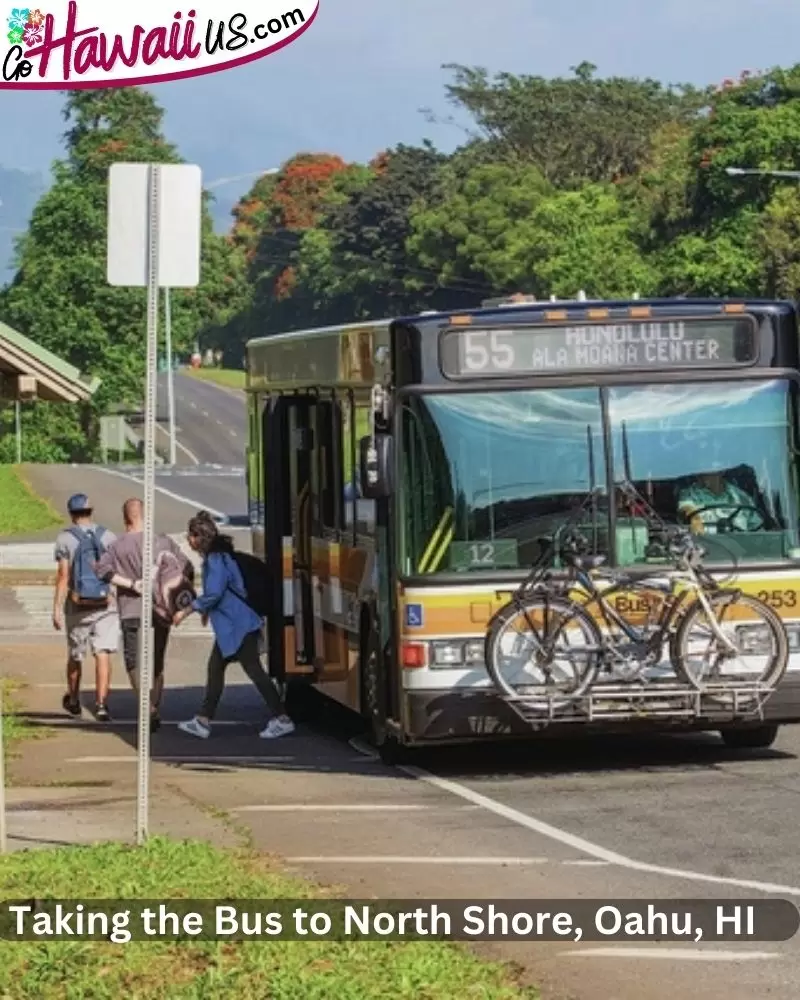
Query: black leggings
[{"x": 248, "y": 656}]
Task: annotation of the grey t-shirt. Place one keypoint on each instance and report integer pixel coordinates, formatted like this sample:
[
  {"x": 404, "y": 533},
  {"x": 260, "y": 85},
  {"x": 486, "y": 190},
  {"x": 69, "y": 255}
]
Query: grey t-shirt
[
  {"x": 66, "y": 547},
  {"x": 124, "y": 558}
]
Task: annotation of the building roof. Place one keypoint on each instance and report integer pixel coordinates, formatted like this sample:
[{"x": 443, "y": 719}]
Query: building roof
[{"x": 57, "y": 381}]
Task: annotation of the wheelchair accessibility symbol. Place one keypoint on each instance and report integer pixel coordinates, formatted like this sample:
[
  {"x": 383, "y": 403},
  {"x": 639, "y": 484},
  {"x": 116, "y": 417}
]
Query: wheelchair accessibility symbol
[{"x": 414, "y": 616}]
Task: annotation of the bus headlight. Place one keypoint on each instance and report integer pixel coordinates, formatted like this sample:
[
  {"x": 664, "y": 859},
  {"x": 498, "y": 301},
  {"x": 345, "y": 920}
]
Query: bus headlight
[
  {"x": 753, "y": 639},
  {"x": 448, "y": 654},
  {"x": 457, "y": 653},
  {"x": 473, "y": 653}
]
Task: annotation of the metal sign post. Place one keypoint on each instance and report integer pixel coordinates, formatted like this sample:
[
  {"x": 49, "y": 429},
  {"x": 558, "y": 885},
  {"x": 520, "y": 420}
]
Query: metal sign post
[
  {"x": 18, "y": 423},
  {"x": 154, "y": 225},
  {"x": 3, "y": 838},
  {"x": 146, "y": 631},
  {"x": 170, "y": 379}
]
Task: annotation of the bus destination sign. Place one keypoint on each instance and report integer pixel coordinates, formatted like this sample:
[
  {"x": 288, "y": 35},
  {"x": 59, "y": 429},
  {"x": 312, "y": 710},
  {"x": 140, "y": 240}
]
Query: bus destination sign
[{"x": 638, "y": 345}]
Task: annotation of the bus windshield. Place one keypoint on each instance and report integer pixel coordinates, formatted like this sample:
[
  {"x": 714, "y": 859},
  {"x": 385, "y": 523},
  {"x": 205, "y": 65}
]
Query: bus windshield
[{"x": 487, "y": 477}]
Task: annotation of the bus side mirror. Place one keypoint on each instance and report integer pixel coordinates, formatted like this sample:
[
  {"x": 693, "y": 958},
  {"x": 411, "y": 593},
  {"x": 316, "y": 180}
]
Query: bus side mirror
[{"x": 375, "y": 466}]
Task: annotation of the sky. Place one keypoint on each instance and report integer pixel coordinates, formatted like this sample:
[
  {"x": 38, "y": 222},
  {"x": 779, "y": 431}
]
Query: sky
[{"x": 355, "y": 82}]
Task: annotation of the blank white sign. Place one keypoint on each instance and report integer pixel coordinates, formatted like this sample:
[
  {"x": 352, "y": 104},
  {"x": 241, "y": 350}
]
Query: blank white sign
[{"x": 179, "y": 224}]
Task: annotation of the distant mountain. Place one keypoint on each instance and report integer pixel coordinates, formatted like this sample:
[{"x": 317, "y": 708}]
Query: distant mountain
[{"x": 19, "y": 192}]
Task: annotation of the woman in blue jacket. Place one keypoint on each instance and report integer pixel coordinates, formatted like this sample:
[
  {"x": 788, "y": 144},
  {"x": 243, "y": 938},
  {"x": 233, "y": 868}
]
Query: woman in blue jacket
[{"x": 236, "y": 629}]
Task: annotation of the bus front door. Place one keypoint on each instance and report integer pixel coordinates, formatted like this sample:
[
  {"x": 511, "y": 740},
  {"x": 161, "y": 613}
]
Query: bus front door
[{"x": 300, "y": 434}]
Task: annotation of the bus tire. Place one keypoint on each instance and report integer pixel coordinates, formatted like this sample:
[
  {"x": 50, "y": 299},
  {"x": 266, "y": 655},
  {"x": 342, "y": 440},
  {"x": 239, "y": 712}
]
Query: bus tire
[
  {"x": 751, "y": 737},
  {"x": 373, "y": 681}
]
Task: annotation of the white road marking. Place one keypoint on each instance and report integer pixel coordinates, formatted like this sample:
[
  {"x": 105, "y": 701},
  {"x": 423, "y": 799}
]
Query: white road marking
[
  {"x": 167, "y": 493},
  {"x": 683, "y": 954},
  {"x": 587, "y": 863},
  {"x": 178, "y": 444},
  {"x": 596, "y": 851},
  {"x": 234, "y": 434},
  {"x": 206, "y": 413},
  {"x": 310, "y": 807},
  {"x": 586, "y": 846},
  {"x": 392, "y": 859},
  {"x": 127, "y": 723},
  {"x": 126, "y": 759}
]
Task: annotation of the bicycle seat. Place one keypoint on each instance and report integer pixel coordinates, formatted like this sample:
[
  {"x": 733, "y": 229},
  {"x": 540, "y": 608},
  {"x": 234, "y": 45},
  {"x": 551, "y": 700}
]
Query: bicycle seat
[{"x": 588, "y": 562}]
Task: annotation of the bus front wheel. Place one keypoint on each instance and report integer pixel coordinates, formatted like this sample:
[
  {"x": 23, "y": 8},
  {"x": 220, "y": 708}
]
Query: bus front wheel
[
  {"x": 374, "y": 692},
  {"x": 755, "y": 738}
]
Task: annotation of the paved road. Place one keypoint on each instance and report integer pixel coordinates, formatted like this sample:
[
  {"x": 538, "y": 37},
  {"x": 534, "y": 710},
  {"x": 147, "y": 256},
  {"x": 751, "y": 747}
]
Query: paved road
[
  {"x": 179, "y": 494},
  {"x": 212, "y": 421},
  {"x": 485, "y": 825}
]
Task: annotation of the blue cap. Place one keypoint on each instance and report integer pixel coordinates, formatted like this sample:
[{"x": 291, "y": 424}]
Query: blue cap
[{"x": 78, "y": 502}]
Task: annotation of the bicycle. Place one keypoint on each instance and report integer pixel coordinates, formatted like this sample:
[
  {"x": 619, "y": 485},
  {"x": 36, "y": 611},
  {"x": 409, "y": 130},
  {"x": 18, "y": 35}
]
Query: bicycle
[{"x": 544, "y": 603}]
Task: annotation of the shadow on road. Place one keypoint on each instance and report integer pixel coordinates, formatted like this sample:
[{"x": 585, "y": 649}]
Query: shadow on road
[{"x": 321, "y": 743}]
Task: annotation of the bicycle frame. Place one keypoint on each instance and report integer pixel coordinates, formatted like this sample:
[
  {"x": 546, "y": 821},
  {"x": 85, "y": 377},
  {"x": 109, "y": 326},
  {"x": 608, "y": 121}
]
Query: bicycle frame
[{"x": 670, "y": 611}]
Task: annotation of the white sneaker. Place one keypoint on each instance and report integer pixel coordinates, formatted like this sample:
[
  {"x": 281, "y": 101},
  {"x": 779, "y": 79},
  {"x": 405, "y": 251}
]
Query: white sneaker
[
  {"x": 276, "y": 728},
  {"x": 194, "y": 727}
]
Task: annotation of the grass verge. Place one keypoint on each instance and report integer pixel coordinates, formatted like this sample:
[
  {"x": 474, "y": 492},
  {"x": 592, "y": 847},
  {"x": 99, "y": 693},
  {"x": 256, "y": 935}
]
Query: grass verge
[
  {"x": 14, "y": 728},
  {"x": 279, "y": 970},
  {"x": 230, "y": 377},
  {"x": 21, "y": 510}
]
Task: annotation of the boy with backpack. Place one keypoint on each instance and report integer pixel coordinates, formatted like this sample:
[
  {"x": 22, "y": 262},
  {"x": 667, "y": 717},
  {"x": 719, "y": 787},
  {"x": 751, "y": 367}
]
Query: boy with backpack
[{"x": 85, "y": 605}]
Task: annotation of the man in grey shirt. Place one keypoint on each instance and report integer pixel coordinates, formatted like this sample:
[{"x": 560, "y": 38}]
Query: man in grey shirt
[
  {"x": 97, "y": 626},
  {"x": 121, "y": 565}
]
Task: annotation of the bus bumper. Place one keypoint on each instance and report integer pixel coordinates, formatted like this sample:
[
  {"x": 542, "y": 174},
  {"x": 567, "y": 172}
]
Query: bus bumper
[{"x": 459, "y": 716}]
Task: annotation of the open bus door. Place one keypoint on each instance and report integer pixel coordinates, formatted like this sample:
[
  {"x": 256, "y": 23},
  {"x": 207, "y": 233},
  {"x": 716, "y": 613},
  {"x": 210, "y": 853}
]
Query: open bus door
[
  {"x": 301, "y": 451},
  {"x": 297, "y": 433},
  {"x": 287, "y": 535}
]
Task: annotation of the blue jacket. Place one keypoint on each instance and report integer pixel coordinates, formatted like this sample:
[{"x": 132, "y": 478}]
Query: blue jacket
[{"x": 232, "y": 619}]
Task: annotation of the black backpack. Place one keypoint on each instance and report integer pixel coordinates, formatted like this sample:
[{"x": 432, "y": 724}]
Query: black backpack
[{"x": 256, "y": 582}]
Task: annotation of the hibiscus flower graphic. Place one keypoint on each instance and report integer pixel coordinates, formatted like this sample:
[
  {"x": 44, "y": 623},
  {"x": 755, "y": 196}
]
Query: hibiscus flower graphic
[
  {"x": 19, "y": 18},
  {"x": 15, "y": 36},
  {"x": 32, "y": 35},
  {"x": 35, "y": 18}
]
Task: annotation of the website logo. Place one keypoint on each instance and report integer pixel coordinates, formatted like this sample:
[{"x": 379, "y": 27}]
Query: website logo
[{"x": 91, "y": 43}]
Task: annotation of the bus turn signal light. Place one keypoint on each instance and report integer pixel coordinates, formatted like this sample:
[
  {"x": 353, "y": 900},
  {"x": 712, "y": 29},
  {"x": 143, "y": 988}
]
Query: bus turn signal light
[{"x": 414, "y": 655}]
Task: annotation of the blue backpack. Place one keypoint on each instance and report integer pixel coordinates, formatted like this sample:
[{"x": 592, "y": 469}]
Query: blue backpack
[{"x": 86, "y": 588}]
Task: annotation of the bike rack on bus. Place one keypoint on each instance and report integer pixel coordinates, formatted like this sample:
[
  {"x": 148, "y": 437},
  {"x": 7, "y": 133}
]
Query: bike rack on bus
[{"x": 626, "y": 702}]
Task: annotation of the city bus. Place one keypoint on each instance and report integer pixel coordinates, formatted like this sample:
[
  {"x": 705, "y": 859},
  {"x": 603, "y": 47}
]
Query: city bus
[{"x": 405, "y": 474}]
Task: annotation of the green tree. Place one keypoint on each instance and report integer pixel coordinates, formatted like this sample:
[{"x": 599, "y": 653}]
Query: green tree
[
  {"x": 357, "y": 261},
  {"x": 507, "y": 227},
  {"x": 271, "y": 223},
  {"x": 574, "y": 129},
  {"x": 60, "y": 297}
]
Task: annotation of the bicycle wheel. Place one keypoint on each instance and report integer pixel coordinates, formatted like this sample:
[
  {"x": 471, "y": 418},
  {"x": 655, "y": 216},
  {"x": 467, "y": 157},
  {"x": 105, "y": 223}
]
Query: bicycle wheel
[
  {"x": 756, "y": 632},
  {"x": 542, "y": 648}
]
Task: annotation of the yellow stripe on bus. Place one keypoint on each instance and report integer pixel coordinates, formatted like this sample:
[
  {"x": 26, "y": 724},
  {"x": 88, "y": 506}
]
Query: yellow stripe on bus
[{"x": 433, "y": 544}]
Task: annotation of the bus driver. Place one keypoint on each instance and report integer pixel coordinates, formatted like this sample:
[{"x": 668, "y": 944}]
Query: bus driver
[{"x": 712, "y": 499}]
